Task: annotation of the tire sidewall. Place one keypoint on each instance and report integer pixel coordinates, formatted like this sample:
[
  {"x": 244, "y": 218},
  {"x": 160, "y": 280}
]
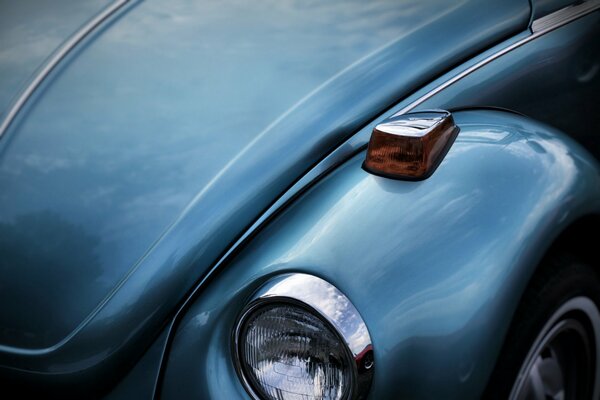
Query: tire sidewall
[{"x": 562, "y": 287}]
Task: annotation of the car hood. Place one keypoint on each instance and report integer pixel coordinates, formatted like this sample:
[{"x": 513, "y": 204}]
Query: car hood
[
  {"x": 30, "y": 32},
  {"x": 170, "y": 129}
]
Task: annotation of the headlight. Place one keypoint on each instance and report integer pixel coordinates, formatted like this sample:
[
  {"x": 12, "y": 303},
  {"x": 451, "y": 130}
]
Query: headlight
[
  {"x": 285, "y": 349},
  {"x": 301, "y": 338}
]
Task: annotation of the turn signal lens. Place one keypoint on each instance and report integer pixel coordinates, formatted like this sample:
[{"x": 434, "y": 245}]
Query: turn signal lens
[{"x": 410, "y": 146}]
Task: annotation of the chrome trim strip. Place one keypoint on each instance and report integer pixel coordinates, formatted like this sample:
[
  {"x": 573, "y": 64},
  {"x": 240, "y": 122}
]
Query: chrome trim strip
[
  {"x": 327, "y": 302},
  {"x": 564, "y": 16},
  {"x": 539, "y": 27},
  {"x": 55, "y": 59}
]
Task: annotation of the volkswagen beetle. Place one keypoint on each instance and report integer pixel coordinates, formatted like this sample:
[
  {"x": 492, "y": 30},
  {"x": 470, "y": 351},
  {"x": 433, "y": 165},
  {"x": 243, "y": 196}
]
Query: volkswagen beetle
[{"x": 300, "y": 199}]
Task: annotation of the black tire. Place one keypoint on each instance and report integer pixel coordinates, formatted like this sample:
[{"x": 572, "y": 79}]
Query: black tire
[{"x": 555, "y": 330}]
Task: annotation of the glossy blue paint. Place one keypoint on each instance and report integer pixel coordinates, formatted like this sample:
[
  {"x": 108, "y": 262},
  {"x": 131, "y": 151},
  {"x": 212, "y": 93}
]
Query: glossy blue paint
[
  {"x": 30, "y": 31},
  {"x": 542, "y": 8},
  {"x": 437, "y": 301},
  {"x": 555, "y": 79},
  {"x": 149, "y": 150},
  {"x": 140, "y": 379}
]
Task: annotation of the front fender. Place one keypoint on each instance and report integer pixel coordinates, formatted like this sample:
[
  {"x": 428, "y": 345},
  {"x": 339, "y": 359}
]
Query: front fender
[{"x": 436, "y": 268}]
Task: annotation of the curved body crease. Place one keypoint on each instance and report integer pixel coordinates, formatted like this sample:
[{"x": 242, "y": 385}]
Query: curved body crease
[
  {"x": 181, "y": 154},
  {"x": 148, "y": 149},
  {"x": 437, "y": 301}
]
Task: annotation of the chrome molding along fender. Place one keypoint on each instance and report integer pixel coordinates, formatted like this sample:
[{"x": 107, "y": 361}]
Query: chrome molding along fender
[
  {"x": 563, "y": 16},
  {"x": 539, "y": 27}
]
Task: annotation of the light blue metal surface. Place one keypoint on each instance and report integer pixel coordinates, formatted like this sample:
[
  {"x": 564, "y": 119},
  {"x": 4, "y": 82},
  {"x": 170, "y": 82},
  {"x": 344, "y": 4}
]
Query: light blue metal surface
[
  {"x": 542, "y": 8},
  {"x": 152, "y": 148},
  {"x": 138, "y": 380},
  {"x": 567, "y": 50},
  {"x": 434, "y": 267},
  {"x": 30, "y": 31},
  {"x": 57, "y": 57},
  {"x": 555, "y": 79},
  {"x": 552, "y": 76}
]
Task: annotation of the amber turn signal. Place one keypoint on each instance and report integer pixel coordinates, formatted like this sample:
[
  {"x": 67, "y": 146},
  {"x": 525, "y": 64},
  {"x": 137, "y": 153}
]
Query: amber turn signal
[{"x": 410, "y": 146}]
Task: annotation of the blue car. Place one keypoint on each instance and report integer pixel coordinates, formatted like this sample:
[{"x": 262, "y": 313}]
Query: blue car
[{"x": 300, "y": 199}]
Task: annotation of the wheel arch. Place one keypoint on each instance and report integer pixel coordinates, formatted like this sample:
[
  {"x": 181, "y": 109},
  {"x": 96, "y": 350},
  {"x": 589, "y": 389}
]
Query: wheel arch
[
  {"x": 577, "y": 238},
  {"x": 570, "y": 256}
]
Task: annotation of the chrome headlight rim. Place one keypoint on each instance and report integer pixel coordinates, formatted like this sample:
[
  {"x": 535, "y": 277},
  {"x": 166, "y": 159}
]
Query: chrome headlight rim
[{"x": 324, "y": 301}]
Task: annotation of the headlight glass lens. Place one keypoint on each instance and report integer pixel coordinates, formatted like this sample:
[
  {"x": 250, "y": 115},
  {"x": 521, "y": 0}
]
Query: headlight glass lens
[{"x": 286, "y": 352}]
